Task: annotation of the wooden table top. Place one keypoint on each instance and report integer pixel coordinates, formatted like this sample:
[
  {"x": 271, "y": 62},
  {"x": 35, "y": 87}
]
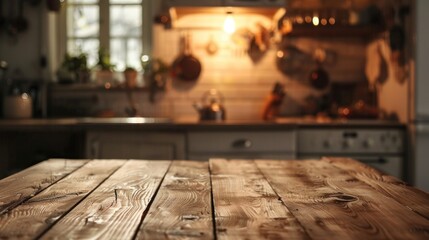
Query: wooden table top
[{"x": 331, "y": 198}]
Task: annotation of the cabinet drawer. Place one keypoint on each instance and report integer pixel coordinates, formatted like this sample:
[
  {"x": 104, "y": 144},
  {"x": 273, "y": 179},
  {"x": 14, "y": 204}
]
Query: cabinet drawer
[{"x": 242, "y": 141}]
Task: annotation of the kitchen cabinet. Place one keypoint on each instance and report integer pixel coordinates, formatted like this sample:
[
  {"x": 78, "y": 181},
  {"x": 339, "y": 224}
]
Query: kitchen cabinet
[
  {"x": 203, "y": 145},
  {"x": 135, "y": 145}
]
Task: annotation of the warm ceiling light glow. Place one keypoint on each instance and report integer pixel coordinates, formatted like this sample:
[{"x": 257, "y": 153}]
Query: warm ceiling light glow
[{"x": 229, "y": 23}]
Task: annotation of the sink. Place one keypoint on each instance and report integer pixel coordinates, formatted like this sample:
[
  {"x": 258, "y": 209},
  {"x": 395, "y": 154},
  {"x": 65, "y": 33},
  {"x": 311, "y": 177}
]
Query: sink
[{"x": 123, "y": 120}]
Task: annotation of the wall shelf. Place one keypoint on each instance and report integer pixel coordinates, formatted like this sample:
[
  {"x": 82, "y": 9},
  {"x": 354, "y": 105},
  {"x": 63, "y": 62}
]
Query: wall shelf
[{"x": 362, "y": 32}]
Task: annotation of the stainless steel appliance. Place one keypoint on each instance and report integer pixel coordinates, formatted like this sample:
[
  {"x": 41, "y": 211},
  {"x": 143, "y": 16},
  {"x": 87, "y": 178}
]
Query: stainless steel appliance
[
  {"x": 3, "y": 69},
  {"x": 382, "y": 148},
  {"x": 419, "y": 104}
]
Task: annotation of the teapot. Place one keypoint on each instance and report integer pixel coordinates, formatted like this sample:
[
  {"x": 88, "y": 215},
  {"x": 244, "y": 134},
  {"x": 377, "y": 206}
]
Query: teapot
[{"x": 211, "y": 107}]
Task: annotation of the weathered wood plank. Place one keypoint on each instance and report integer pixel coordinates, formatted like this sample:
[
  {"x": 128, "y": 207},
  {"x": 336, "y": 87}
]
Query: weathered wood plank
[
  {"x": 19, "y": 187},
  {"x": 182, "y": 207},
  {"x": 115, "y": 209},
  {"x": 43, "y": 210},
  {"x": 390, "y": 186},
  {"x": 246, "y": 207},
  {"x": 329, "y": 202}
]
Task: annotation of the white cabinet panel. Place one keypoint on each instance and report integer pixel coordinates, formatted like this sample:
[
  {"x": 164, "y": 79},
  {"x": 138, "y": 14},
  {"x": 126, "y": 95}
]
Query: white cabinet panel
[{"x": 242, "y": 144}]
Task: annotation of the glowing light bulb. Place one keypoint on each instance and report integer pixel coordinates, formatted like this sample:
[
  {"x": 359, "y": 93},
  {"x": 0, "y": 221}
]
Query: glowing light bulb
[
  {"x": 229, "y": 23},
  {"x": 315, "y": 20},
  {"x": 145, "y": 58}
]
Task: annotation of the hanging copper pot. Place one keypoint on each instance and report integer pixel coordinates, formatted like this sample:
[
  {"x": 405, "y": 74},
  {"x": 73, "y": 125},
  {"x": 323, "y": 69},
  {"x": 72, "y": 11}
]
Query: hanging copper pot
[{"x": 186, "y": 66}]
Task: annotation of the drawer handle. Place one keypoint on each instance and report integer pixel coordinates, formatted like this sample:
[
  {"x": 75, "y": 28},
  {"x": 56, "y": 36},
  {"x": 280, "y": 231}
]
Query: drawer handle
[{"x": 242, "y": 143}]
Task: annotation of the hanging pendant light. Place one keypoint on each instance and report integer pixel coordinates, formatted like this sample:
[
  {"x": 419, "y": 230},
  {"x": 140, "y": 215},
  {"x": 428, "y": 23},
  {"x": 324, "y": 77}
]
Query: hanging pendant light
[{"x": 229, "y": 23}]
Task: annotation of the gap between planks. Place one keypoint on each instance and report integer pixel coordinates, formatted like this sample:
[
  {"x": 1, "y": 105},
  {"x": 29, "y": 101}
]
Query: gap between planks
[
  {"x": 328, "y": 201},
  {"x": 413, "y": 198},
  {"x": 19, "y": 187},
  {"x": 42, "y": 211},
  {"x": 246, "y": 206}
]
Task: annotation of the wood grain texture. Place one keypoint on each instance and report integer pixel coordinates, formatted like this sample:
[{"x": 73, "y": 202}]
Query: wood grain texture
[
  {"x": 115, "y": 209},
  {"x": 246, "y": 207},
  {"x": 182, "y": 207},
  {"x": 43, "y": 210},
  {"x": 413, "y": 198},
  {"x": 329, "y": 202},
  {"x": 19, "y": 187}
]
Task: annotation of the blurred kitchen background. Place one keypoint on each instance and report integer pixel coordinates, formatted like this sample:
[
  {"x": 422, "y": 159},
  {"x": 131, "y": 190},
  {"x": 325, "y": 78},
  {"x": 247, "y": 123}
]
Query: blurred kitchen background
[{"x": 271, "y": 43}]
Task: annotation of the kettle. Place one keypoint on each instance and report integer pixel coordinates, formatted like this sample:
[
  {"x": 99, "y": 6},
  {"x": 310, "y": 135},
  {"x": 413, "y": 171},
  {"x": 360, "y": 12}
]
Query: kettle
[{"x": 211, "y": 107}]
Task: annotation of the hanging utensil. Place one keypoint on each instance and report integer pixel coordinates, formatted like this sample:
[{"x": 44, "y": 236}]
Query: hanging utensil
[
  {"x": 259, "y": 43},
  {"x": 21, "y": 22},
  {"x": 397, "y": 33},
  {"x": 10, "y": 23},
  {"x": 2, "y": 18},
  {"x": 211, "y": 47},
  {"x": 319, "y": 77},
  {"x": 397, "y": 41},
  {"x": 186, "y": 66}
]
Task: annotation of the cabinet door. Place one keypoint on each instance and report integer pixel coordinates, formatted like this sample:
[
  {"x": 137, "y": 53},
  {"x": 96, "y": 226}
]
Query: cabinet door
[{"x": 135, "y": 145}]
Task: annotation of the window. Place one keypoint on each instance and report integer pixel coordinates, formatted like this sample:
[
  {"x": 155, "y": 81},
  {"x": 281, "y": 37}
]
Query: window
[{"x": 121, "y": 27}]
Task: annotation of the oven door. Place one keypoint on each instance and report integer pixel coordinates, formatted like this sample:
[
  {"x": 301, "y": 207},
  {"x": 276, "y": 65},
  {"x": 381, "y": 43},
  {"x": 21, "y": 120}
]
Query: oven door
[{"x": 391, "y": 165}]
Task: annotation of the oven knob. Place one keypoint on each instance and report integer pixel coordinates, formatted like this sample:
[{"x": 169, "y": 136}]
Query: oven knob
[
  {"x": 368, "y": 143},
  {"x": 348, "y": 143},
  {"x": 327, "y": 143}
]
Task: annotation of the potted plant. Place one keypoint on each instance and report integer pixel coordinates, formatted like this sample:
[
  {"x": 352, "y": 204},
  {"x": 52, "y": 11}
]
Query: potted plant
[
  {"x": 74, "y": 69},
  {"x": 104, "y": 69},
  {"x": 130, "y": 75}
]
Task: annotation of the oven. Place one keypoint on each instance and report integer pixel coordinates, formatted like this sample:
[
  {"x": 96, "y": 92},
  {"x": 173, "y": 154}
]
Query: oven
[{"x": 382, "y": 147}]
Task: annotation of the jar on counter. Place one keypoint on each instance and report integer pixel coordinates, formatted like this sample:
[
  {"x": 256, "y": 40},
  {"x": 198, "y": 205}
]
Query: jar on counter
[{"x": 18, "y": 106}]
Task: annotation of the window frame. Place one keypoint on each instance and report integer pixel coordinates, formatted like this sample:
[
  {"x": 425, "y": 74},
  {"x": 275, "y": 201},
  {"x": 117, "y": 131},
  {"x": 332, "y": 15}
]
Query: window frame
[{"x": 104, "y": 26}]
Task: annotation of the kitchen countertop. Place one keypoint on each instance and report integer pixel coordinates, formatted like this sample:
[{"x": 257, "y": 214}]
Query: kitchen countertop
[
  {"x": 183, "y": 124},
  {"x": 217, "y": 199}
]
